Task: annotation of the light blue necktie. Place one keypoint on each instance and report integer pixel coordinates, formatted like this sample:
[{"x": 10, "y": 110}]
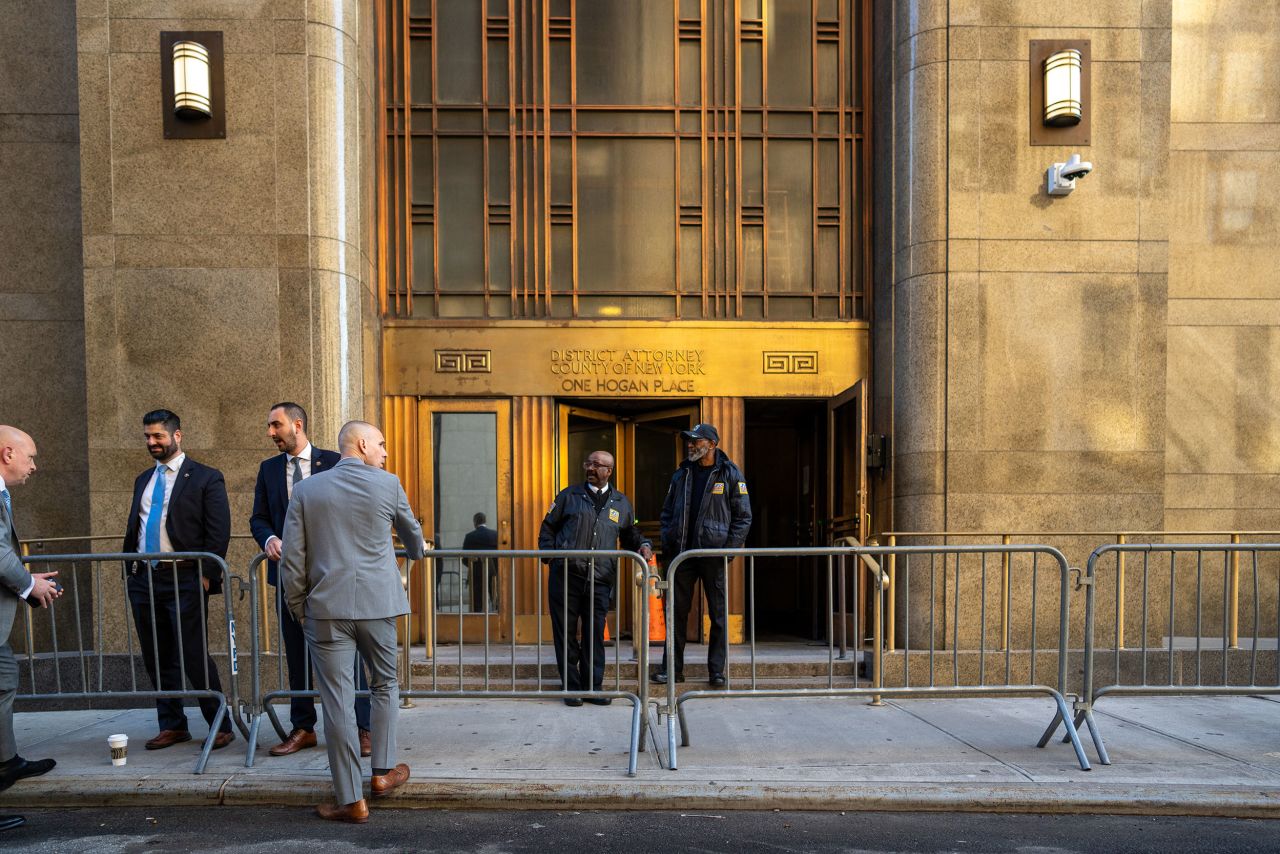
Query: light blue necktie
[
  {"x": 8, "y": 505},
  {"x": 151, "y": 539}
]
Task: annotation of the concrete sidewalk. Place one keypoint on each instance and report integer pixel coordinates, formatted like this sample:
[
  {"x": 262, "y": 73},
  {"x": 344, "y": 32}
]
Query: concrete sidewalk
[{"x": 1203, "y": 756}]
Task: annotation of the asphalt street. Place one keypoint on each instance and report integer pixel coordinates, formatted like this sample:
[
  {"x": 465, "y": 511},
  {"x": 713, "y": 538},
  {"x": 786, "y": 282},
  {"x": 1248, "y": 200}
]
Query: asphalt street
[{"x": 258, "y": 830}]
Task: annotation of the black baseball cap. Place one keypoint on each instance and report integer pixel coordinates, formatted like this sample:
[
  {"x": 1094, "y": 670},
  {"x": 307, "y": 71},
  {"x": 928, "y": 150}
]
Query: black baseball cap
[{"x": 702, "y": 431}]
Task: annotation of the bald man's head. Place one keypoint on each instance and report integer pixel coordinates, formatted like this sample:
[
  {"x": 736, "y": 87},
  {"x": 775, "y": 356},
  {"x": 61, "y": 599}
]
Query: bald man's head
[
  {"x": 362, "y": 440},
  {"x": 17, "y": 455}
]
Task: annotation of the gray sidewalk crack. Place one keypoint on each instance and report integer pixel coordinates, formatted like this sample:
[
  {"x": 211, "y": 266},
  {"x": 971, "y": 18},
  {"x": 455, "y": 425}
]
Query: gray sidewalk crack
[
  {"x": 1219, "y": 753},
  {"x": 1011, "y": 766}
]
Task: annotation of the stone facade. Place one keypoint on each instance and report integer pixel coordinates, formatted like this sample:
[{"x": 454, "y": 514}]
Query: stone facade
[
  {"x": 1097, "y": 361},
  {"x": 222, "y": 276},
  {"x": 1101, "y": 361}
]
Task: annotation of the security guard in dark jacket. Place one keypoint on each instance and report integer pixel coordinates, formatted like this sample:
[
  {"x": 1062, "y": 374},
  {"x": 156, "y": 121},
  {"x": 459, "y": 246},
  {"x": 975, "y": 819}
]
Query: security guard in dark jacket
[
  {"x": 707, "y": 507},
  {"x": 589, "y": 515}
]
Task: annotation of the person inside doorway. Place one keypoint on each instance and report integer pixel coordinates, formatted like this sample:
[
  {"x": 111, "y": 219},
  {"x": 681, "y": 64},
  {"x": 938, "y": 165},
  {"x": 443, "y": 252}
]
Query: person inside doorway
[{"x": 482, "y": 570}]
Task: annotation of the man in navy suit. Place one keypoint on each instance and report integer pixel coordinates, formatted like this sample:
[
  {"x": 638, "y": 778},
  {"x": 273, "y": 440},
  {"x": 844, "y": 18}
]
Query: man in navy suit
[
  {"x": 298, "y": 460},
  {"x": 179, "y": 505}
]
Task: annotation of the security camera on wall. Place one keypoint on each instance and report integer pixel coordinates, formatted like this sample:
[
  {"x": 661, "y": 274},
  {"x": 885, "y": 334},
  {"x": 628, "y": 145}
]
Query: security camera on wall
[{"x": 1061, "y": 177}]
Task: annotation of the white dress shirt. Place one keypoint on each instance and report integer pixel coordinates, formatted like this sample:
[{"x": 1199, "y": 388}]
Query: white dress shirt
[
  {"x": 25, "y": 593},
  {"x": 169, "y": 471},
  {"x": 597, "y": 489},
  {"x": 303, "y": 456}
]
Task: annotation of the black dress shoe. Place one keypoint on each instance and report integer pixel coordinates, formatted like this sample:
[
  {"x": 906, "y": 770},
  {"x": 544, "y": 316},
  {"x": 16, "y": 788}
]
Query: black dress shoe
[
  {"x": 572, "y": 701},
  {"x": 717, "y": 680},
  {"x": 599, "y": 701},
  {"x": 660, "y": 678},
  {"x": 9, "y": 822},
  {"x": 17, "y": 768}
]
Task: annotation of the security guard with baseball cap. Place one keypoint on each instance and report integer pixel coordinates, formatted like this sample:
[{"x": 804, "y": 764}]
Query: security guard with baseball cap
[{"x": 707, "y": 507}]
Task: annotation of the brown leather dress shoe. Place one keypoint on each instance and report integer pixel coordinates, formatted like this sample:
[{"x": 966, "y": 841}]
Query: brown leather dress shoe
[
  {"x": 357, "y": 813},
  {"x": 168, "y": 738},
  {"x": 222, "y": 739},
  {"x": 299, "y": 739},
  {"x": 383, "y": 784},
  {"x": 366, "y": 743}
]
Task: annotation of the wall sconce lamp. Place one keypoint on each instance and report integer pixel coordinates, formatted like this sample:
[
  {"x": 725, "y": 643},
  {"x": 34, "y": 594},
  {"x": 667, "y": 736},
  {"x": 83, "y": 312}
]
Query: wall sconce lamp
[
  {"x": 1061, "y": 89},
  {"x": 192, "y": 95},
  {"x": 1060, "y": 82},
  {"x": 192, "y": 85}
]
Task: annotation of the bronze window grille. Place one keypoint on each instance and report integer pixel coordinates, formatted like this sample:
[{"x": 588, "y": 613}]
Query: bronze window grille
[{"x": 666, "y": 159}]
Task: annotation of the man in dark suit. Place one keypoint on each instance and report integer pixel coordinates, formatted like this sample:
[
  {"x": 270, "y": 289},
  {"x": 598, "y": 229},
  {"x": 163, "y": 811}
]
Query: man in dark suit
[
  {"x": 277, "y": 476},
  {"x": 179, "y": 505},
  {"x": 482, "y": 570},
  {"x": 17, "y": 462}
]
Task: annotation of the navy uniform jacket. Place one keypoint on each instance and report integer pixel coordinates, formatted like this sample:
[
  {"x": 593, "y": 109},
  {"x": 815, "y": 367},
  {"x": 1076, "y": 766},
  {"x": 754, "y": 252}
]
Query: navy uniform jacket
[
  {"x": 724, "y": 516},
  {"x": 271, "y": 498},
  {"x": 573, "y": 523}
]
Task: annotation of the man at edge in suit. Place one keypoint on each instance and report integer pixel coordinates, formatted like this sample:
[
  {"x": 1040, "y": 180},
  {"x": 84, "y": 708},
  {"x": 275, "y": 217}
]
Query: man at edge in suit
[
  {"x": 277, "y": 476},
  {"x": 342, "y": 583},
  {"x": 179, "y": 505},
  {"x": 17, "y": 462}
]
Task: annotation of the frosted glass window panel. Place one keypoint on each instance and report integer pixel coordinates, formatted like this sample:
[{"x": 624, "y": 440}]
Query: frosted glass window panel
[
  {"x": 458, "y": 29},
  {"x": 499, "y": 85},
  {"x": 423, "y": 259},
  {"x": 420, "y": 71},
  {"x": 788, "y": 38},
  {"x": 690, "y": 172},
  {"x": 790, "y": 216},
  {"x": 626, "y": 52},
  {"x": 460, "y": 217},
  {"x": 625, "y": 214},
  {"x": 690, "y": 74},
  {"x": 499, "y": 171},
  {"x": 423, "y": 165}
]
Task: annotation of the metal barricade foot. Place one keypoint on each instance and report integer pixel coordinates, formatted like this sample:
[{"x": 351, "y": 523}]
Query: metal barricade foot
[
  {"x": 1065, "y": 714},
  {"x": 214, "y": 726},
  {"x": 252, "y": 739},
  {"x": 1098, "y": 746}
]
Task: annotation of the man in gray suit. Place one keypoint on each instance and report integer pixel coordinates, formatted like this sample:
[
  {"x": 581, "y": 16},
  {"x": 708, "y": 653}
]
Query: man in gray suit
[
  {"x": 342, "y": 583},
  {"x": 17, "y": 462}
]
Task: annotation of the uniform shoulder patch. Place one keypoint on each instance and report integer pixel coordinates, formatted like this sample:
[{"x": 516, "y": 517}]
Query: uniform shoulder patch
[
  {"x": 549, "y": 509},
  {"x": 718, "y": 489},
  {"x": 742, "y": 487}
]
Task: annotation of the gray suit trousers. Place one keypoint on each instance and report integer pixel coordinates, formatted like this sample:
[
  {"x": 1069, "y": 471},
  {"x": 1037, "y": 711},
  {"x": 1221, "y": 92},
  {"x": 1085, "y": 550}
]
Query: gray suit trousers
[
  {"x": 8, "y": 689},
  {"x": 333, "y": 644}
]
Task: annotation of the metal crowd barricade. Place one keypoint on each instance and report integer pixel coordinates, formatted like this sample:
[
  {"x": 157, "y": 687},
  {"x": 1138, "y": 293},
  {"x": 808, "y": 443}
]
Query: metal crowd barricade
[
  {"x": 495, "y": 656},
  {"x": 944, "y": 620},
  {"x": 85, "y": 677},
  {"x": 558, "y": 561},
  {"x": 1188, "y": 597}
]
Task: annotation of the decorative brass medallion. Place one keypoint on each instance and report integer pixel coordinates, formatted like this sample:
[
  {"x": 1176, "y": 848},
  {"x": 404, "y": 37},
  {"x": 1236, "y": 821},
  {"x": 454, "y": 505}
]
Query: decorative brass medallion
[
  {"x": 463, "y": 361},
  {"x": 790, "y": 362}
]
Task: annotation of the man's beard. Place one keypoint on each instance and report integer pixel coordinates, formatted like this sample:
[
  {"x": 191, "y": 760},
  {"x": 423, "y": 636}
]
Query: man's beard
[
  {"x": 164, "y": 451},
  {"x": 698, "y": 453}
]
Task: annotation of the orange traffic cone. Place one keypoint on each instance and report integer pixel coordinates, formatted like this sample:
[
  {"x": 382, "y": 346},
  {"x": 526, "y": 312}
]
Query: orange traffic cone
[
  {"x": 657, "y": 617},
  {"x": 606, "y": 630}
]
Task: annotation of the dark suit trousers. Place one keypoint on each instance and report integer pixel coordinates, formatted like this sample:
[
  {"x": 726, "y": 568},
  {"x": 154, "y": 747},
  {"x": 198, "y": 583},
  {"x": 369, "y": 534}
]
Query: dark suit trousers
[
  {"x": 711, "y": 572},
  {"x": 588, "y": 609},
  {"x": 179, "y": 644},
  {"x": 302, "y": 710}
]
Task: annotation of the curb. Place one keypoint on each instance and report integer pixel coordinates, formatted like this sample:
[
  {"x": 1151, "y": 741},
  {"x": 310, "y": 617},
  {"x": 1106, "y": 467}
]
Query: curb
[{"x": 507, "y": 794}]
